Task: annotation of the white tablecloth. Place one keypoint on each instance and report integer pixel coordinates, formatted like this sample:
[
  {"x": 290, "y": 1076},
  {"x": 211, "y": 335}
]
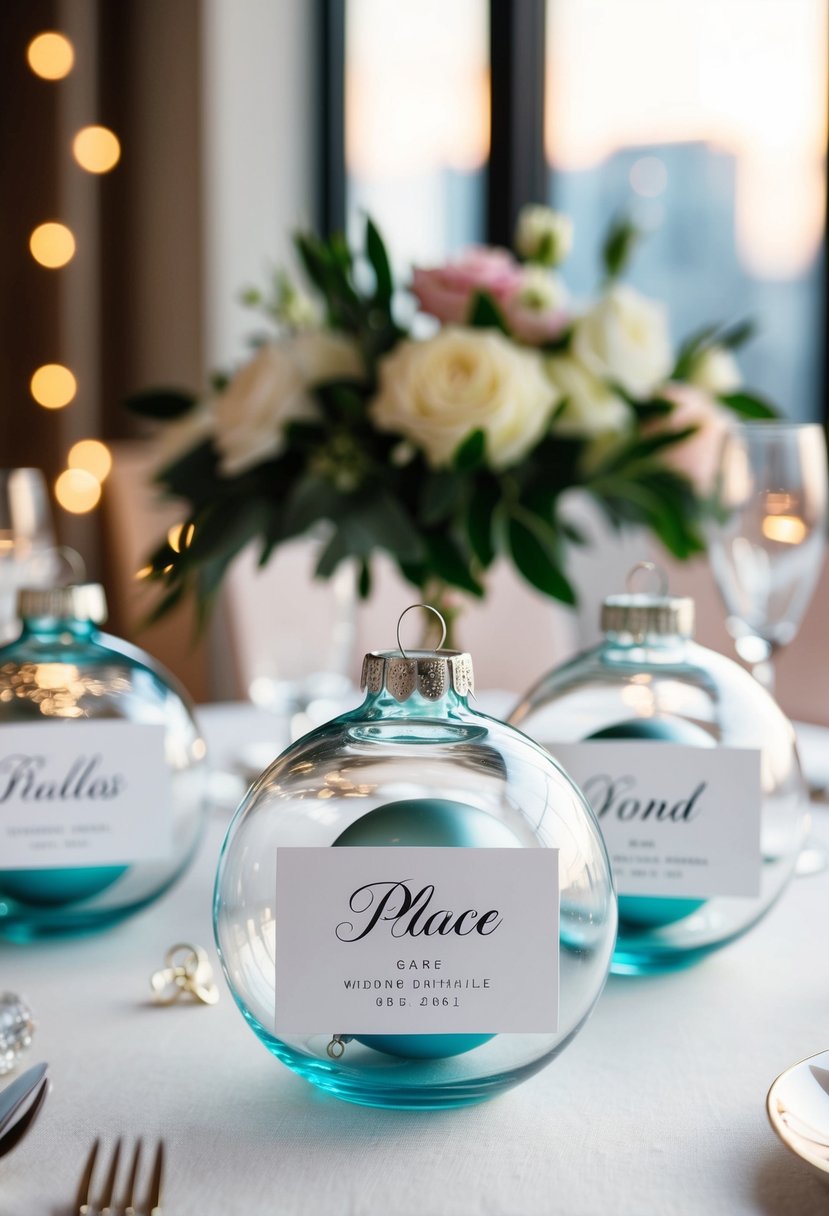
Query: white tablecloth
[{"x": 656, "y": 1109}]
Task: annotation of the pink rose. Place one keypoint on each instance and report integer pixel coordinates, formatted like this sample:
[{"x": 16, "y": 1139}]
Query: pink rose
[
  {"x": 698, "y": 456},
  {"x": 446, "y": 291}
]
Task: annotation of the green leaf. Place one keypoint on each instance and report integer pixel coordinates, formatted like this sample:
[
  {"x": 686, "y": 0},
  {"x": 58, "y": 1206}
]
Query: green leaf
[
  {"x": 379, "y": 259},
  {"x": 194, "y": 475},
  {"x": 364, "y": 581},
  {"x": 636, "y": 451},
  {"x": 392, "y": 528},
  {"x": 471, "y": 454},
  {"x": 310, "y": 500},
  {"x": 735, "y": 336},
  {"x": 336, "y": 551},
  {"x": 480, "y": 513},
  {"x": 622, "y": 238},
  {"x": 440, "y": 497},
  {"x": 484, "y": 313},
  {"x": 658, "y": 407},
  {"x": 161, "y": 403},
  {"x": 449, "y": 562},
  {"x": 536, "y": 559},
  {"x": 749, "y": 405}
]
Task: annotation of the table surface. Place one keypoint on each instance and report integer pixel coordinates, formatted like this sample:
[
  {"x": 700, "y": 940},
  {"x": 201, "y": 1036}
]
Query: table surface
[{"x": 656, "y": 1109}]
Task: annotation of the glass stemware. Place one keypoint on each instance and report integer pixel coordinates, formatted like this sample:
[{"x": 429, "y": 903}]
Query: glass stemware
[
  {"x": 768, "y": 536},
  {"x": 767, "y": 545},
  {"x": 28, "y": 556}
]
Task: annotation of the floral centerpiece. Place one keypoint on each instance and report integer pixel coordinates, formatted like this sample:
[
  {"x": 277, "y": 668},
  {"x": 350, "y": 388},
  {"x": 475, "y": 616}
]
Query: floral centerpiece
[{"x": 449, "y": 441}]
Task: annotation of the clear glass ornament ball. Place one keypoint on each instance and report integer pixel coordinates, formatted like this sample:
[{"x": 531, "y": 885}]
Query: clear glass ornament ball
[{"x": 418, "y": 771}]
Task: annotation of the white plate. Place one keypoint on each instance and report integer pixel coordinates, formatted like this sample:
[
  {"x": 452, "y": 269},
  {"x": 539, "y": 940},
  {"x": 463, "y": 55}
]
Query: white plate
[{"x": 798, "y": 1110}]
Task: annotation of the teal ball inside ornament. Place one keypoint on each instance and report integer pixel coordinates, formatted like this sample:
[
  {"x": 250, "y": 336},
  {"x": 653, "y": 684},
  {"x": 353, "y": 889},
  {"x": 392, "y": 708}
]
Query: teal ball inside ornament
[
  {"x": 54, "y": 888},
  {"x": 639, "y": 912},
  {"x": 666, "y": 729},
  {"x": 423, "y": 823}
]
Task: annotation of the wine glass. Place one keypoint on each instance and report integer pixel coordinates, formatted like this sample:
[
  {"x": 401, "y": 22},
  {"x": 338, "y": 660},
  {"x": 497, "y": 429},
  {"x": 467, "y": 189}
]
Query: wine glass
[
  {"x": 767, "y": 545},
  {"x": 28, "y": 556},
  {"x": 768, "y": 536}
]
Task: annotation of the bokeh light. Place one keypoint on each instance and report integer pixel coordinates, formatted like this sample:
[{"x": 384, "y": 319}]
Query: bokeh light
[
  {"x": 52, "y": 245},
  {"x": 180, "y": 536},
  {"x": 51, "y": 56},
  {"x": 77, "y": 491},
  {"x": 53, "y": 386},
  {"x": 91, "y": 456},
  {"x": 96, "y": 149}
]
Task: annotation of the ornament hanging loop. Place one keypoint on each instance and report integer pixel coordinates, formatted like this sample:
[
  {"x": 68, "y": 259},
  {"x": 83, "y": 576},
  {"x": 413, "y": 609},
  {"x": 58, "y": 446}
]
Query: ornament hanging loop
[
  {"x": 651, "y": 568},
  {"x": 428, "y": 608}
]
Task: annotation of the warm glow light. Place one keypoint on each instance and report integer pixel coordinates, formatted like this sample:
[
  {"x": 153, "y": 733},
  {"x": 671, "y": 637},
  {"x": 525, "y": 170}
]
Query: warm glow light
[
  {"x": 53, "y": 386},
  {"x": 144, "y": 572},
  {"x": 92, "y": 456},
  {"x": 179, "y": 536},
  {"x": 96, "y": 149},
  {"x": 50, "y": 56},
  {"x": 746, "y": 78},
  {"x": 787, "y": 529},
  {"x": 52, "y": 245},
  {"x": 77, "y": 491}
]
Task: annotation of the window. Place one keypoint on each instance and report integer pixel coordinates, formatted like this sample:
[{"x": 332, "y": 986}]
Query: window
[
  {"x": 707, "y": 120},
  {"x": 417, "y": 123}
]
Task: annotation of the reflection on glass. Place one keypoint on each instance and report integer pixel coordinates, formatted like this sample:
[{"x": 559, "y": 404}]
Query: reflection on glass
[
  {"x": 417, "y": 123},
  {"x": 708, "y": 120}
]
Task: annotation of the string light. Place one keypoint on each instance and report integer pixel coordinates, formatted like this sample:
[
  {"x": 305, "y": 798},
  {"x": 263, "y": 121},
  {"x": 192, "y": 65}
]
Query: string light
[
  {"x": 52, "y": 245},
  {"x": 92, "y": 457},
  {"x": 53, "y": 386},
  {"x": 96, "y": 149},
  {"x": 50, "y": 56},
  {"x": 77, "y": 491}
]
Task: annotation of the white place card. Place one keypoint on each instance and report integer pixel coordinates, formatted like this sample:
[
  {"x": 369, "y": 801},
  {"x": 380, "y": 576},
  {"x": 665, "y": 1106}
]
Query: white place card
[
  {"x": 83, "y": 794},
  {"x": 676, "y": 820},
  {"x": 416, "y": 941}
]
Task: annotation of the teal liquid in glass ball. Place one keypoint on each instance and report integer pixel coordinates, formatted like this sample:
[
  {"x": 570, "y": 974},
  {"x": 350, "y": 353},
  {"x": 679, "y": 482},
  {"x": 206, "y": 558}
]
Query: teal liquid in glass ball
[
  {"x": 640, "y": 912},
  {"x": 53, "y": 888},
  {"x": 423, "y": 823}
]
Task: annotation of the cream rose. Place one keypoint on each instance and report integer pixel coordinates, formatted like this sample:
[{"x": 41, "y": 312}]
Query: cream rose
[
  {"x": 591, "y": 408},
  {"x": 436, "y": 393},
  {"x": 272, "y": 390},
  {"x": 543, "y": 235},
  {"x": 715, "y": 371},
  {"x": 624, "y": 339}
]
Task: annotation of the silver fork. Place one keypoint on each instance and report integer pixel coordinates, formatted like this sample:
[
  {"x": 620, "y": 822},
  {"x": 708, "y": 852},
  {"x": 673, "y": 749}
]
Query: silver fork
[{"x": 105, "y": 1204}]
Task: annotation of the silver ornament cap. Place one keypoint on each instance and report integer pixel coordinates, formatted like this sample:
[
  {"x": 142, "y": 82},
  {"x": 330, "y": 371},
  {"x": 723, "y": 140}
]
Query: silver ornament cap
[
  {"x": 80, "y": 602},
  {"x": 643, "y": 613},
  {"x": 430, "y": 673}
]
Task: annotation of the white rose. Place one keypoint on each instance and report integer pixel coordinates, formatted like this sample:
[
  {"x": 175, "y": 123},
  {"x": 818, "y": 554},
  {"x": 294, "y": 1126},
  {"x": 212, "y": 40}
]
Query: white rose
[
  {"x": 591, "y": 408},
  {"x": 272, "y": 390},
  {"x": 624, "y": 339},
  {"x": 543, "y": 235},
  {"x": 436, "y": 393},
  {"x": 715, "y": 370}
]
